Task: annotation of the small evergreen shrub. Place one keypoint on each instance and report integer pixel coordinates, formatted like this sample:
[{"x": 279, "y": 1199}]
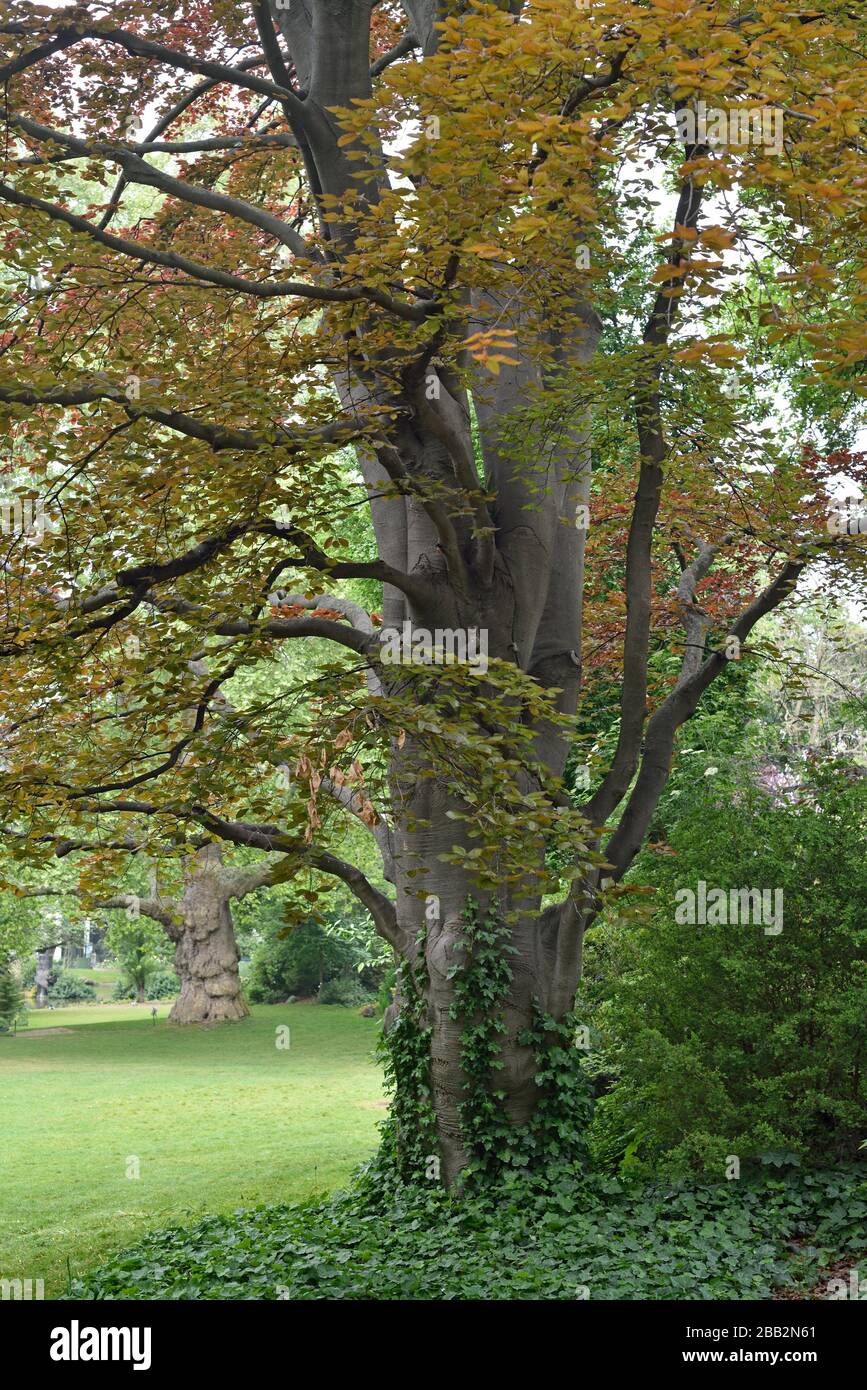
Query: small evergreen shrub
[
  {"x": 11, "y": 998},
  {"x": 726, "y": 1039},
  {"x": 27, "y": 972}
]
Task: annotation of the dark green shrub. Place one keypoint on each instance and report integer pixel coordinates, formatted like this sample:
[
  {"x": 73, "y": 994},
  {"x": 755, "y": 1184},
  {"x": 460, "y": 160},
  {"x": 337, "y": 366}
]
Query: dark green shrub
[
  {"x": 730, "y": 1039},
  {"x": 27, "y": 972},
  {"x": 11, "y": 998},
  {"x": 162, "y": 983},
  {"x": 347, "y": 990},
  {"x": 69, "y": 989},
  {"x": 296, "y": 961}
]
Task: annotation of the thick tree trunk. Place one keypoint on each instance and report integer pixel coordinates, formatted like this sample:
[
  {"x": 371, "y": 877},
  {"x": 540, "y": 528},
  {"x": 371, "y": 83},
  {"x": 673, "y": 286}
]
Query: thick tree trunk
[
  {"x": 516, "y": 1078},
  {"x": 43, "y": 975},
  {"x": 428, "y": 825},
  {"x": 538, "y": 985},
  {"x": 206, "y": 955}
]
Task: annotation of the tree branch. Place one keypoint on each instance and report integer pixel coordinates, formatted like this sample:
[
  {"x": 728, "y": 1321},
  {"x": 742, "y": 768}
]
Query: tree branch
[
  {"x": 172, "y": 260},
  {"x": 217, "y": 436},
  {"x": 270, "y": 838},
  {"x": 140, "y": 47},
  {"x": 65, "y": 38},
  {"x": 653, "y": 452},
  {"x": 155, "y": 908},
  {"x": 401, "y": 48},
  {"x": 679, "y": 706},
  {"x": 163, "y": 124},
  {"x": 380, "y": 907},
  {"x": 137, "y": 170}
]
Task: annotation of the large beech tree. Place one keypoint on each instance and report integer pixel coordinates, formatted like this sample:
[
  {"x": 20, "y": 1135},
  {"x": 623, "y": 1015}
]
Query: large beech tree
[
  {"x": 191, "y": 901},
  {"x": 198, "y": 921},
  {"x": 486, "y": 272}
]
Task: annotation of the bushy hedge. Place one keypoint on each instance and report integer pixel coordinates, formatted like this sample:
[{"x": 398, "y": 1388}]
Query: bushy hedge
[
  {"x": 348, "y": 990},
  {"x": 294, "y": 962},
  {"x": 161, "y": 984},
  {"x": 69, "y": 989},
  {"x": 572, "y": 1236},
  {"x": 27, "y": 971},
  {"x": 724, "y": 1040}
]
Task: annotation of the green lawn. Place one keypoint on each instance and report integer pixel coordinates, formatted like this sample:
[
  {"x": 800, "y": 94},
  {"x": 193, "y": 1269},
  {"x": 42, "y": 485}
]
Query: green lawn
[
  {"x": 81, "y": 1015},
  {"x": 218, "y": 1119}
]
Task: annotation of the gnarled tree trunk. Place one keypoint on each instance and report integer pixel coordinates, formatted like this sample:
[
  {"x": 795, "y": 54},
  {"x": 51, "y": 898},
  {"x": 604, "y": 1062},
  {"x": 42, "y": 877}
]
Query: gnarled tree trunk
[
  {"x": 200, "y": 925},
  {"x": 206, "y": 954}
]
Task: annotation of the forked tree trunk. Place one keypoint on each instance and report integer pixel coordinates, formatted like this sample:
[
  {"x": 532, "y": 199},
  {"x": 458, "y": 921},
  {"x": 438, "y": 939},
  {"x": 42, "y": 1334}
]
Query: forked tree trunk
[
  {"x": 206, "y": 954},
  {"x": 523, "y": 591}
]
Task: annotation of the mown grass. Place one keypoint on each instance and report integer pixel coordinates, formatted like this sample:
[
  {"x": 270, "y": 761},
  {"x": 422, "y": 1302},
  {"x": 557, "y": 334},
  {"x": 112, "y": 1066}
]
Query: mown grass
[{"x": 217, "y": 1118}]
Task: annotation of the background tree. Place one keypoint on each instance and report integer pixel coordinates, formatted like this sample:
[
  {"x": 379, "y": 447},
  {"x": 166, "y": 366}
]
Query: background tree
[
  {"x": 197, "y": 919},
  {"x": 11, "y": 997},
  {"x": 136, "y": 945},
  {"x": 31, "y": 927}
]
